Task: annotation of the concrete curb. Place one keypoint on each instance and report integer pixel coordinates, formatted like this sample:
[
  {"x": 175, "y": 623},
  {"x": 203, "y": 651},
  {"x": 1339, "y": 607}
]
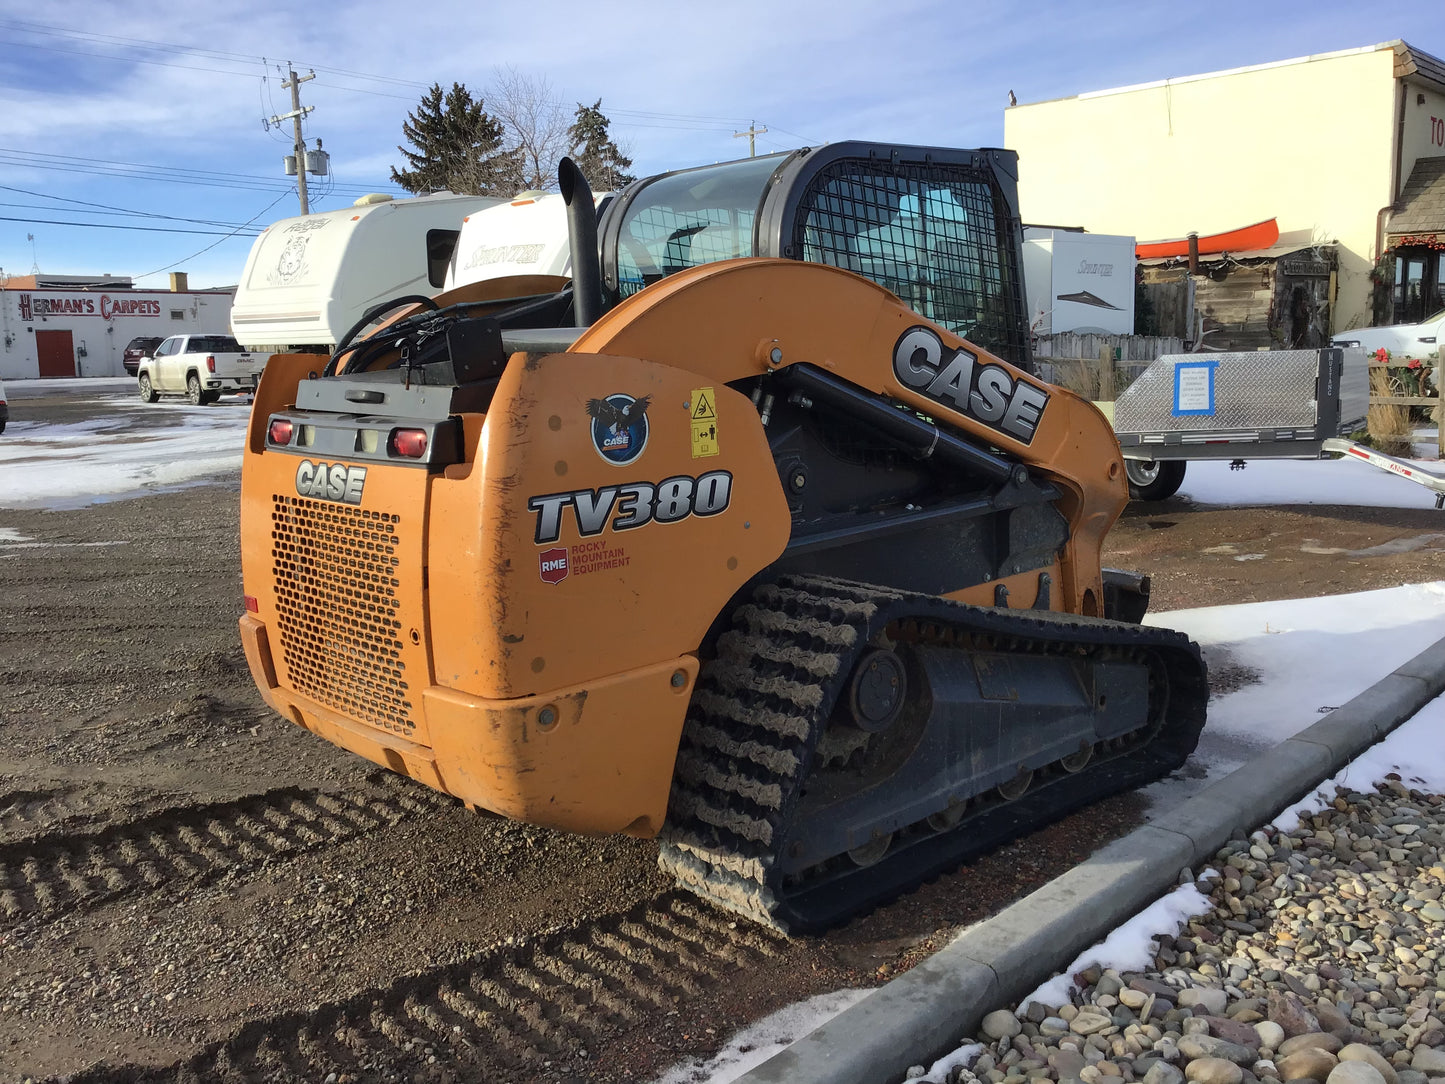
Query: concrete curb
[{"x": 923, "y": 1014}]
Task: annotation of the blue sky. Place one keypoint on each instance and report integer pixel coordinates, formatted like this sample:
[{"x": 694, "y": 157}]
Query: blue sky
[{"x": 117, "y": 114}]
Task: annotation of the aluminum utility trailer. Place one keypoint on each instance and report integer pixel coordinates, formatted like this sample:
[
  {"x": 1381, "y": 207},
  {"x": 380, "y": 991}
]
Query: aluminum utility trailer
[
  {"x": 1259, "y": 404},
  {"x": 1262, "y": 404}
]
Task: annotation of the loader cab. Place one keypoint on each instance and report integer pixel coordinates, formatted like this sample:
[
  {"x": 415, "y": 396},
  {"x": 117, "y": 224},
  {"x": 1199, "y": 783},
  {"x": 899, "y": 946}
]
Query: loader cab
[{"x": 937, "y": 227}]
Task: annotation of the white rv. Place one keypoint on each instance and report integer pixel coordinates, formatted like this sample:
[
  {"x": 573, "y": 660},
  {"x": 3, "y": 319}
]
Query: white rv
[
  {"x": 1078, "y": 281},
  {"x": 525, "y": 236},
  {"x": 310, "y": 278}
]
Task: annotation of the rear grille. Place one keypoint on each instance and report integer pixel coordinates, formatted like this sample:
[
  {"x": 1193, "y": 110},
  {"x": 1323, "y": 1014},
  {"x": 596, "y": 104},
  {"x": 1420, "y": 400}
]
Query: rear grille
[{"x": 335, "y": 576}]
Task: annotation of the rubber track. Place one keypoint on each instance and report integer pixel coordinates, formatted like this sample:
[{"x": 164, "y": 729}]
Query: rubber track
[
  {"x": 508, "y": 1009},
  {"x": 762, "y": 704},
  {"x": 49, "y": 876}
]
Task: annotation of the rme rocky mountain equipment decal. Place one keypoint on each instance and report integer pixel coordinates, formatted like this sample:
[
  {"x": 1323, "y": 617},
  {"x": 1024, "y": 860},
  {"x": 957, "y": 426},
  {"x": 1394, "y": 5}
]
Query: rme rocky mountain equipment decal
[
  {"x": 330, "y": 481},
  {"x": 619, "y": 427},
  {"x": 954, "y": 378},
  {"x": 553, "y": 564},
  {"x": 558, "y": 562},
  {"x": 634, "y": 504}
]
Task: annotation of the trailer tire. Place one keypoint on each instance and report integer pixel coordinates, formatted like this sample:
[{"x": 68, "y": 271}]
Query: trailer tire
[{"x": 1154, "y": 479}]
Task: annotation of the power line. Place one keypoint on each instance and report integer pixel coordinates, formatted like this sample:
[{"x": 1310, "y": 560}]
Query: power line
[
  {"x": 117, "y": 226},
  {"x": 213, "y": 244},
  {"x": 148, "y": 171},
  {"x": 107, "y": 214},
  {"x": 110, "y": 207},
  {"x": 795, "y": 135}
]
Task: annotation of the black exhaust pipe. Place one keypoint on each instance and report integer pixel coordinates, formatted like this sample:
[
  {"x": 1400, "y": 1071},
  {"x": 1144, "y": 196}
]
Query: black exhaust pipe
[{"x": 582, "y": 234}]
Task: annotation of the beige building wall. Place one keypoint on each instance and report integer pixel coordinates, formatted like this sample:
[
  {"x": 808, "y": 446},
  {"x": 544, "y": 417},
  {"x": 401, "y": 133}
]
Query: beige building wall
[
  {"x": 1423, "y": 135},
  {"x": 1308, "y": 142}
]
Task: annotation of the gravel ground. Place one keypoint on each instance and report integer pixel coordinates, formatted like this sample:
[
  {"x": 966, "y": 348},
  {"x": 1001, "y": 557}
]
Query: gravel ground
[
  {"x": 192, "y": 888},
  {"x": 1320, "y": 960}
]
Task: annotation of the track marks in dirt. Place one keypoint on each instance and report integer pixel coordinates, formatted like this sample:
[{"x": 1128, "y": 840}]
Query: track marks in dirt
[
  {"x": 50, "y": 875},
  {"x": 512, "y": 1007},
  {"x": 29, "y": 812}
]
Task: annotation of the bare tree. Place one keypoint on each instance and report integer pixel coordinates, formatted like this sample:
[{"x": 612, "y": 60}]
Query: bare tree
[{"x": 536, "y": 125}]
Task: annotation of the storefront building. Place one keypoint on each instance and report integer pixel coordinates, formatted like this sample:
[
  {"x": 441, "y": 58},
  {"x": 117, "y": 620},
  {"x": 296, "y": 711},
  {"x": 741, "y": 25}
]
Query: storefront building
[
  {"x": 1415, "y": 239},
  {"x": 72, "y": 325},
  {"x": 1341, "y": 148}
]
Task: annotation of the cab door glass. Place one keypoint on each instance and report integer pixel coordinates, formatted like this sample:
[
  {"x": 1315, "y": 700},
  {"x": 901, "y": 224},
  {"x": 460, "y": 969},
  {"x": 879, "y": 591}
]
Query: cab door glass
[{"x": 933, "y": 235}]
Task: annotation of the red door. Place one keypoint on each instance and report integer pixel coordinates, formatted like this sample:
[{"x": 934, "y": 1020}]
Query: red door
[{"x": 57, "y": 354}]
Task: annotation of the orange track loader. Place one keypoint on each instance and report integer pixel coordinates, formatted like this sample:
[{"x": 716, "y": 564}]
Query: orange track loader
[{"x": 759, "y": 536}]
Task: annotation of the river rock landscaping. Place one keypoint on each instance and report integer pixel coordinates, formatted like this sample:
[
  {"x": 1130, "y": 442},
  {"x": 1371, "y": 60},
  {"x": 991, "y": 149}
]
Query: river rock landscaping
[{"x": 1320, "y": 960}]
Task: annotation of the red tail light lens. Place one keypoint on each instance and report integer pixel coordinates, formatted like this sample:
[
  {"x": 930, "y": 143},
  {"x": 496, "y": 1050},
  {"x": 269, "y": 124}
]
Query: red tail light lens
[
  {"x": 279, "y": 431},
  {"x": 210, "y": 363},
  {"x": 410, "y": 443},
  {"x": 252, "y": 606}
]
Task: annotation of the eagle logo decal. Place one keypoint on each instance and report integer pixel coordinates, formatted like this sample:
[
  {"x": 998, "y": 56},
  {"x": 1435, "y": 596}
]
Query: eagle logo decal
[{"x": 619, "y": 426}]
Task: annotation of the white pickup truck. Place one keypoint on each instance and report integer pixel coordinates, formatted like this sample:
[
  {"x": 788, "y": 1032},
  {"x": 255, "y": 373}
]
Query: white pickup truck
[
  {"x": 200, "y": 367},
  {"x": 1403, "y": 341}
]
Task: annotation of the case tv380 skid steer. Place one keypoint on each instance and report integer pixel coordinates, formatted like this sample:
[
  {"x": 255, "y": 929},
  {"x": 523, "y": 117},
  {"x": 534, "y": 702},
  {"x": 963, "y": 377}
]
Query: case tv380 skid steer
[{"x": 757, "y": 537}]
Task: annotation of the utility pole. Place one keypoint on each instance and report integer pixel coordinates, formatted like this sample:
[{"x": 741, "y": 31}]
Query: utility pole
[
  {"x": 294, "y": 85},
  {"x": 752, "y": 133}
]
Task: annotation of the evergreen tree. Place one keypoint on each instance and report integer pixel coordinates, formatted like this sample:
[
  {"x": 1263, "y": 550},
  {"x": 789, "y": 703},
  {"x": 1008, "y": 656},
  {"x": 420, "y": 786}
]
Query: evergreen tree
[
  {"x": 458, "y": 147},
  {"x": 600, "y": 159}
]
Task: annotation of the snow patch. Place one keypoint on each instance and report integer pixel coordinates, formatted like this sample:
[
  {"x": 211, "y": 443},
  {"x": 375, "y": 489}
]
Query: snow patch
[
  {"x": 1131, "y": 946},
  {"x": 103, "y": 458},
  {"x": 938, "y": 1071},
  {"x": 1304, "y": 481},
  {"x": 1312, "y": 654},
  {"x": 1412, "y": 751},
  {"x": 758, "y": 1042}
]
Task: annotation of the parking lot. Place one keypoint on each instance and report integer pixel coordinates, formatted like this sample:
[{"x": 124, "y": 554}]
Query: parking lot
[{"x": 189, "y": 883}]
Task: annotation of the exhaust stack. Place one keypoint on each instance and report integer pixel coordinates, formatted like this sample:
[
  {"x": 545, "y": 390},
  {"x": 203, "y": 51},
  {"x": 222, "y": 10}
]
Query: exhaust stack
[{"x": 582, "y": 233}]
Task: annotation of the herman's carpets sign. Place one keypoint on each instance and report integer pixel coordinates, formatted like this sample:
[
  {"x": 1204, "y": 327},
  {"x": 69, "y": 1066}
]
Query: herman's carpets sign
[{"x": 103, "y": 306}]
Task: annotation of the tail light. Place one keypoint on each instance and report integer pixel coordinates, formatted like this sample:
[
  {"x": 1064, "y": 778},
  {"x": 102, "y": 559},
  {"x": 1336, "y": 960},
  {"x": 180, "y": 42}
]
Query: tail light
[
  {"x": 279, "y": 431},
  {"x": 210, "y": 363},
  {"x": 410, "y": 443},
  {"x": 252, "y": 606}
]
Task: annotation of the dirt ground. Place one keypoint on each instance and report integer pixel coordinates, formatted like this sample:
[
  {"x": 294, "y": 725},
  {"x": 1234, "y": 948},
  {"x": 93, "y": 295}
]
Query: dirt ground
[{"x": 192, "y": 888}]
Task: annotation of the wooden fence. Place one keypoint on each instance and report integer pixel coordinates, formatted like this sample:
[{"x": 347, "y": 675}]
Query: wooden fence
[{"x": 1430, "y": 402}]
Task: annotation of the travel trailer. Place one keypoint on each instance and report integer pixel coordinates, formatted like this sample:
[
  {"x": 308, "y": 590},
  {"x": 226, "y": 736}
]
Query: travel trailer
[{"x": 310, "y": 278}]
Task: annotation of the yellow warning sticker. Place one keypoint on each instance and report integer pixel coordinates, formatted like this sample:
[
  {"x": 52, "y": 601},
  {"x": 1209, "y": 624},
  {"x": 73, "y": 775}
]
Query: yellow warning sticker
[{"x": 704, "y": 423}]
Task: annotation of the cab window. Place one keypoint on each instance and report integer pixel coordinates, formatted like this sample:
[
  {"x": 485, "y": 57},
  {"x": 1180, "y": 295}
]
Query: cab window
[
  {"x": 933, "y": 235},
  {"x": 690, "y": 218}
]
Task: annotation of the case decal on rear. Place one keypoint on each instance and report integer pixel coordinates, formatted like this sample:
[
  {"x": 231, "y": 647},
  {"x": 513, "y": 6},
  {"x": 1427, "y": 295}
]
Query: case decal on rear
[{"x": 331, "y": 481}]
